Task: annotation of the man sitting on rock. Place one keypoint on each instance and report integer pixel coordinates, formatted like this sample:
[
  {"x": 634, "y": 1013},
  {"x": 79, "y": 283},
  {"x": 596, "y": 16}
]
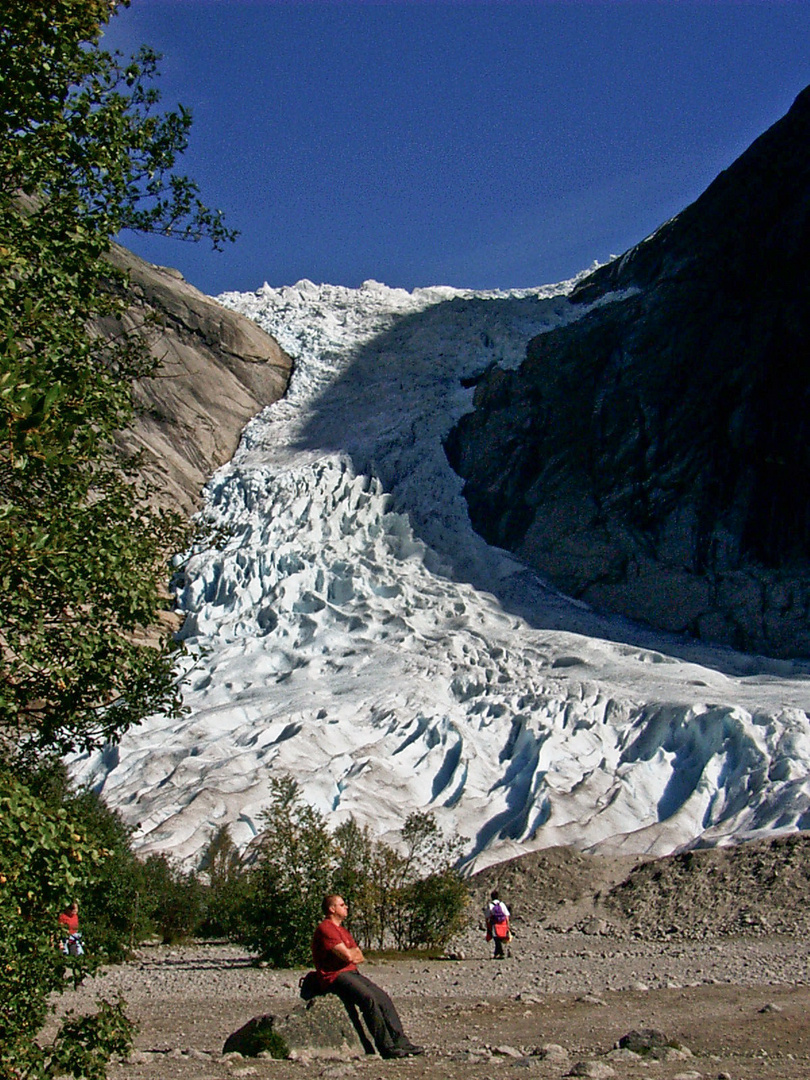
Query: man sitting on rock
[{"x": 336, "y": 955}]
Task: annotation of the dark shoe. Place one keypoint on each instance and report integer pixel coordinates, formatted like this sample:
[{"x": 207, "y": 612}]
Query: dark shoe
[{"x": 407, "y": 1050}]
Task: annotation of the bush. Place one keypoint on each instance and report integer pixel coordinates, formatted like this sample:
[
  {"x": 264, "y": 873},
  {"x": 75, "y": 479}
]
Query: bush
[
  {"x": 357, "y": 858},
  {"x": 414, "y": 897},
  {"x": 432, "y": 910},
  {"x": 173, "y": 901},
  {"x": 45, "y": 861},
  {"x": 228, "y": 887},
  {"x": 294, "y": 870},
  {"x": 432, "y": 897},
  {"x": 113, "y": 919},
  {"x": 112, "y": 913}
]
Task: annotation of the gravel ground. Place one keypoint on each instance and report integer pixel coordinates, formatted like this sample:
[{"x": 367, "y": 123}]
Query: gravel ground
[
  {"x": 710, "y": 948},
  {"x": 740, "y": 1006}
]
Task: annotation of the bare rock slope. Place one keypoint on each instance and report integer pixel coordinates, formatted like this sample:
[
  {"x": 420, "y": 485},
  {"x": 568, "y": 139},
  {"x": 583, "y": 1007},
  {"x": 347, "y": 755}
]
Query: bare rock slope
[
  {"x": 750, "y": 889},
  {"x": 651, "y": 458},
  {"x": 218, "y": 370}
]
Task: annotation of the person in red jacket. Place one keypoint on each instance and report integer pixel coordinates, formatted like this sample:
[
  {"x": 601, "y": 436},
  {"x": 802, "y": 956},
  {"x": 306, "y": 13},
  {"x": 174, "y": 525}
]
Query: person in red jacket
[
  {"x": 336, "y": 955},
  {"x": 498, "y": 930},
  {"x": 69, "y": 925}
]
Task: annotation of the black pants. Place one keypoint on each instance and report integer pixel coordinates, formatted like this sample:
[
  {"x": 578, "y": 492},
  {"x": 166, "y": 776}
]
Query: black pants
[{"x": 378, "y": 1009}]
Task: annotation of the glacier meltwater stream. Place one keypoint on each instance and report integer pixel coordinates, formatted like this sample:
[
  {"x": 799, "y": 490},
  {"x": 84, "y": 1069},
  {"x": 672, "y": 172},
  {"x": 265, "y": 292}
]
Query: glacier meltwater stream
[{"x": 354, "y": 633}]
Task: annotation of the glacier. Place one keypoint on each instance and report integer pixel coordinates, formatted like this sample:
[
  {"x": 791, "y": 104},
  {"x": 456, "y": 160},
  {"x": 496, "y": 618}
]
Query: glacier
[{"x": 351, "y": 630}]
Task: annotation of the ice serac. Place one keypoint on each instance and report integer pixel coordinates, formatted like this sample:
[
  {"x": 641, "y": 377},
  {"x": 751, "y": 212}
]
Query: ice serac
[
  {"x": 217, "y": 370},
  {"x": 653, "y": 458},
  {"x": 354, "y": 633}
]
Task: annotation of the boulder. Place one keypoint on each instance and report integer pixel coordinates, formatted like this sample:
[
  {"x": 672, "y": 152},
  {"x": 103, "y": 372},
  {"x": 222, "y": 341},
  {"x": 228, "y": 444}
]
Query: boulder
[
  {"x": 320, "y": 1028},
  {"x": 643, "y": 1041},
  {"x": 653, "y": 1044},
  {"x": 595, "y": 1070}
]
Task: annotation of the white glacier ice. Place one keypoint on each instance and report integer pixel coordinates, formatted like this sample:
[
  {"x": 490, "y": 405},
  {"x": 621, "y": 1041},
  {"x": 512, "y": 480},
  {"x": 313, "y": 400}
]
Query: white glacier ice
[{"x": 353, "y": 631}]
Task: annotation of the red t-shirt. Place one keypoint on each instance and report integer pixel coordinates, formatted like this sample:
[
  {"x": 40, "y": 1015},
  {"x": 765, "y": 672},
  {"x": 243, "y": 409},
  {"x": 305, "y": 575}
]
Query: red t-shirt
[
  {"x": 70, "y": 921},
  {"x": 327, "y": 964}
]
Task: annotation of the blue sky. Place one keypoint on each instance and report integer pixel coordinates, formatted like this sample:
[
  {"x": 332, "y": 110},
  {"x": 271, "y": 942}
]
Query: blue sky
[{"x": 496, "y": 144}]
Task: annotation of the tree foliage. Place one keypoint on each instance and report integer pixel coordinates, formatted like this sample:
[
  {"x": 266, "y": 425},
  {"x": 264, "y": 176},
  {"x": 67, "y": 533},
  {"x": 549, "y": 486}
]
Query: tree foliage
[
  {"x": 409, "y": 896},
  {"x": 294, "y": 871},
  {"x": 83, "y": 154},
  {"x": 113, "y": 912},
  {"x": 228, "y": 886},
  {"x": 430, "y": 896},
  {"x": 172, "y": 901},
  {"x": 45, "y": 861},
  {"x": 356, "y": 878}
]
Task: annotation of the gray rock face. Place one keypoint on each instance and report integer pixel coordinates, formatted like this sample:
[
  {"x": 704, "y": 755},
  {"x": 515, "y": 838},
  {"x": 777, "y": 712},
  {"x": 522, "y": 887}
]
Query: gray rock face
[
  {"x": 218, "y": 370},
  {"x": 653, "y": 458},
  {"x": 321, "y": 1028}
]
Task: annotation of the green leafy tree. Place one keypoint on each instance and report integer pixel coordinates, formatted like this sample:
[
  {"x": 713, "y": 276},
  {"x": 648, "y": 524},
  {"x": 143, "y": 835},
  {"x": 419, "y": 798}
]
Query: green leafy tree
[
  {"x": 83, "y": 154},
  {"x": 354, "y": 880},
  {"x": 432, "y": 910},
  {"x": 228, "y": 886},
  {"x": 410, "y": 894},
  {"x": 413, "y": 897},
  {"x": 112, "y": 913},
  {"x": 113, "y": 916},
  {"x": 429, "y": 897},
  {"x": 385, "y": 887},
  {"x": 45, "y": 861},
  {"x": 172, "y": 900},
  {"x": 295, "y": 868}
]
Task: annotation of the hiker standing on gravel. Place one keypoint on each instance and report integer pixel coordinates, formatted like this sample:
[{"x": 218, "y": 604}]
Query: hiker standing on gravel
[
  {"x": 497, "y": 916},
  {"x": 336, "y": 955}
]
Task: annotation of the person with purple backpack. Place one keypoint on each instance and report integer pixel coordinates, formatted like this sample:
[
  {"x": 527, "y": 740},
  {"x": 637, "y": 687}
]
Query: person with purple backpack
[{"x": 497, "y": 917}]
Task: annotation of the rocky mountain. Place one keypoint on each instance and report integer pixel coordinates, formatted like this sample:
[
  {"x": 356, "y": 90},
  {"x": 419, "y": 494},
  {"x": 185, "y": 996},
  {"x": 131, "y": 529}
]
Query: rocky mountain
[
  {"x": 217, "y": 370},
  {"x": 652, "y": 458},
  {"x": 755, "y": 888}
]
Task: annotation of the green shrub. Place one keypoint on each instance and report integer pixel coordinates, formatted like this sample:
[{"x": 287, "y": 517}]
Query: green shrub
[
  {"x": 413, "y": 897},
  {"x": 112, "y": 917},
  {"x": 112, "y": 914},
  {"x": 45, "y": 861},
  {"x": 228, "y": 887},
  {"x": 433, "y": 910},
  {"x": 294, "y": 870},
  {"x": 430, "y": 897},
  {"x": 172, "y": 901},
  {"x": 85, "y": 1044},
  {"x": 357, "y": 856}
]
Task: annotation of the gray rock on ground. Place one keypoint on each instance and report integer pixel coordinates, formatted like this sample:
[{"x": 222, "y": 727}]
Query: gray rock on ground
[
  {"x": 594, "y": 1070},
  {"x": 654, "y": 1045},
  {"x": 321, "y": 1028}
]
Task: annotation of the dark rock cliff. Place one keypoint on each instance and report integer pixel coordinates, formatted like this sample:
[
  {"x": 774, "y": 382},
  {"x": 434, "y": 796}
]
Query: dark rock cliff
[
  {"x": 653, "y": 458},
  {"x": 217, "y": 371}
]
